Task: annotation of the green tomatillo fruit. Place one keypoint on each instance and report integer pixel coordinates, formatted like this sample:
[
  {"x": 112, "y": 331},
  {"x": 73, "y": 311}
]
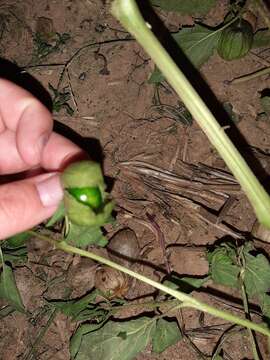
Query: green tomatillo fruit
[
  {"x": 235, "y": 41},
  {"x": 86, "y": 202},
  {"x": 90, "y": 196}
]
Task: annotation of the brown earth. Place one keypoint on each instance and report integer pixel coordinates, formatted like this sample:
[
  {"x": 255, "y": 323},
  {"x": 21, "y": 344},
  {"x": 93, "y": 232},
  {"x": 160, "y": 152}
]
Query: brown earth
[{"x": 106, "y": 73}]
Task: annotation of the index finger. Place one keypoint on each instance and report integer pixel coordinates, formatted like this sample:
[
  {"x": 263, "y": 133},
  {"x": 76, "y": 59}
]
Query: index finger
[{"x": 27, "y": 118}]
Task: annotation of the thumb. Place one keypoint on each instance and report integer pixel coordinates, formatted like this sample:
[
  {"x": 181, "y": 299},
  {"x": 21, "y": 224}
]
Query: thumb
[{"x": 26, "y": 203}]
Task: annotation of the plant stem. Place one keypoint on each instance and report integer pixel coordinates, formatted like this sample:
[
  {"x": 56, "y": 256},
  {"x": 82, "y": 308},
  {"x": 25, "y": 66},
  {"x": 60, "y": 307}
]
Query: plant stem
[
  {"x": 242, "y": 264},
  {"x": 250, "y": 332},
  {"x": 188, "y": 301},
  {"x": 127, "y": 12},
  {"x": 251, "y": 76}
]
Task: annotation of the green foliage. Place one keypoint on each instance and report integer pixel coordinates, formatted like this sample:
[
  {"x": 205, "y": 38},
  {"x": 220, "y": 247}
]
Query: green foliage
[
  {"x": 256, "y": 274},
  {"x": 224, "y": 269},
  {"x": 189, "y": 7},
  {"x": 197, "y": 43},
  {"x": 44, "y": 48},
  {"x": 8, "y": 288},
  {"x": 14, "y": 249},
  {"x": 61, "y": 99},
  {"x": 82, "y": 309},
  {"x": 235, "y": 40},
  {"x": 166, "y": 334},
  {"x": 83, "y": 236},
  {"x": 16, "y": 241},
  {"x": 113, "y": 341}
]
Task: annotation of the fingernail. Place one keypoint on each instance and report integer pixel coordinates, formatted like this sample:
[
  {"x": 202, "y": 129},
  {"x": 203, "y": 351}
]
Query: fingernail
[{"x": 50, "y": 191}]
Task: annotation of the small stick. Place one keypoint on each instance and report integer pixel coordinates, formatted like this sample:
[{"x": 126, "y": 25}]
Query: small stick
[
  {"x": 251, "y": 76},
  {"x": 161, "y": 238}
]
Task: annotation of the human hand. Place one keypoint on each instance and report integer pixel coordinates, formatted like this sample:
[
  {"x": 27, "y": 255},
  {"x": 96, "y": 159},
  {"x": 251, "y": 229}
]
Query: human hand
[{"x": 27, "y": 142}]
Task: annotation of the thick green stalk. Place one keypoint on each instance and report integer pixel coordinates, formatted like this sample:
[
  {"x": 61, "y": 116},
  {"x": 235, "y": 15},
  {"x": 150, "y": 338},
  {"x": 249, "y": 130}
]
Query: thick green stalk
[
  {"x": 188, "y": 301},
  {"x": 127, "y": 12}
]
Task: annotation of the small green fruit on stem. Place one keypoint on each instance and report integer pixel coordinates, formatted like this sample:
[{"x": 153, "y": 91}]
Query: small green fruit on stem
[
  {"x": 86, "y": 202},
  {"x": 235, "y": 41}
]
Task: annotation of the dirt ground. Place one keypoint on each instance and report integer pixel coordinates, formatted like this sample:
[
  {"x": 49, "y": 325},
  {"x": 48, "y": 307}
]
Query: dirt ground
[{"x": 116, "y": 119}]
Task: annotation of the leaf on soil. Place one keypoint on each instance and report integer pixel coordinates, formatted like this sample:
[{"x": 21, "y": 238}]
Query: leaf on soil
[
  {"x": 261, "y": 38},
  {"x": 223, "y": 266},
  {"x": 256, "y": 275},
  {"x": 167, "y": 333},
  {"x": 57, "y": 216},
  {"x": 76, "y": 339},
  {"x": 15, "y": 256},
  {"x": 17, "y": 241},
  {"x": 82, "y": 309},
  {"x": 197, "y": 43},
  {"x": 14, "y": 249},
  {"x": 83, "y": 236},
  {"x": 265, "y": 305},
  {"x": 227, "y": 106},
  {"x": 186, "y": 284},
  {"x": 117, "y": 340},
  {"x": 188, "y": 7},
  {"x": 8, "y": 288},
  {"x": 265, "y": 103}
]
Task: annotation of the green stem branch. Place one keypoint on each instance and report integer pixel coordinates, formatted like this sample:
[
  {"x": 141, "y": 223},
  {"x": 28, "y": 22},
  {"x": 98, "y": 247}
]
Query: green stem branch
[{"x": 187, "y": 300}]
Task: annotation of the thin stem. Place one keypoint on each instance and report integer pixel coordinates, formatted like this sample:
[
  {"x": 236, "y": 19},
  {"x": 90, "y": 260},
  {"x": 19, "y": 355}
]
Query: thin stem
[
  {"x": 127, "y": 12},
  {"x": 29, "y": 355},
  {"x": 250, "y": 332},
  {"x": 251, "y": 76},
  {"x": 252, "y": 337},
  {"x": 187, "y": 300}
]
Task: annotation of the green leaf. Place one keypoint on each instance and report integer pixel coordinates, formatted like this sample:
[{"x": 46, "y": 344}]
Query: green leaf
[
  {"x": 261, "y": 38},
  {"x": 198, "y": 44},
  {"x": 17, "y": 241},
  {"x": 83, "y": 236},
  {"x": 8, "y": 288},
  {"x": 57, "y": 216},
  {"x": 117, "y": 340},
  {"x": 186, "y": 284},
  {"x": 156, "y": 76},
  {"x": 256, "y": 275},
  {"x": 265, "y": 305},
  {"x": 82, "y": 309},
  {"x": 76, "y": 339},
  {"x": 15, "y": 256},
  {"x": 227, "y": 106},
  {"x": 167, "y": 333},
  {"x": 223, "y": 268},
  {"x": 265, "y": 103},
  {"x": 14, "y": 249},
  {"x": 188, "y": 7}
]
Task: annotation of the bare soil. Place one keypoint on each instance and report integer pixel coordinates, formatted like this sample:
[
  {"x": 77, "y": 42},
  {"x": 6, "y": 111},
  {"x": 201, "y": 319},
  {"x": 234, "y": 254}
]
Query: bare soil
[{"x": 115, "y": 119}]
